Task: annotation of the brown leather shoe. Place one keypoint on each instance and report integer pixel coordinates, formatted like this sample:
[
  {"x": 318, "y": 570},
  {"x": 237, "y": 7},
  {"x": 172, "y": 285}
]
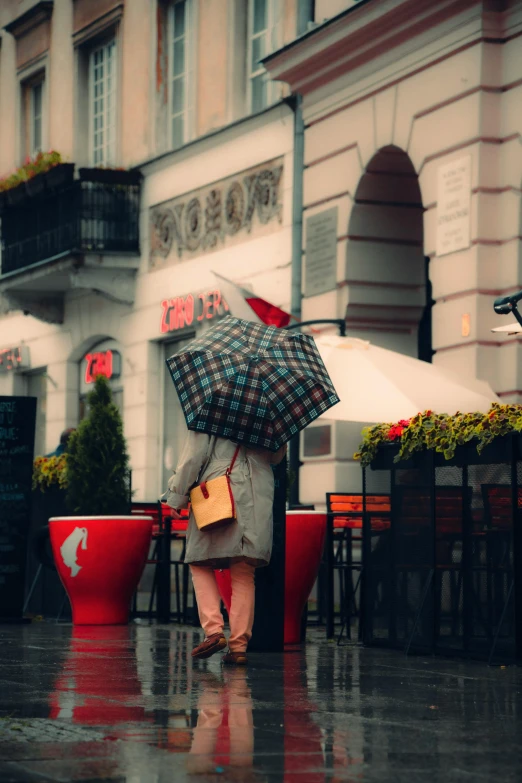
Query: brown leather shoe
[
  {"x": 235, "y": 658},
  {"x": 209, "y": 646}
]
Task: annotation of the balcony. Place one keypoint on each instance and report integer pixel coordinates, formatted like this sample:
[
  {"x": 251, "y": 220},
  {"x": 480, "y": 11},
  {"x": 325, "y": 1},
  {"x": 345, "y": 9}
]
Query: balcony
[{"x": 82, "y": 234}]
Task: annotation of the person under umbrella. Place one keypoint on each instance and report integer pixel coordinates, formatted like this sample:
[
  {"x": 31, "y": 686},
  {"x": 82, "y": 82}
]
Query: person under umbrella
[
  {"x": 245, "y": 390},
  {"x": 62, "y": 446}
]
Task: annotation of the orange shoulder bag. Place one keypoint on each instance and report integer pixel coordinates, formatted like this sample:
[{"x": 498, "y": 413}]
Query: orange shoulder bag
[{"x": 213, "y": 501}]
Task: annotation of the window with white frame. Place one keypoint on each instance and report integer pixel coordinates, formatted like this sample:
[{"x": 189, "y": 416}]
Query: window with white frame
[
  {"x": 36, "y": 117},
  {"x": 263, "y": 38},
  {"x": 102, "y": 104},
  {"x": 180, "y": 77},
  {"x": 33, "y": 115}
]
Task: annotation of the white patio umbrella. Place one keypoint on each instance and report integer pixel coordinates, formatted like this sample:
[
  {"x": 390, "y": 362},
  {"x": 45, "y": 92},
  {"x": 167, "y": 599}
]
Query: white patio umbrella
[
  {"x": 509, "y": 328},
  {"x": 376, "y": 384},
  {"x": 481, "y": 387}
]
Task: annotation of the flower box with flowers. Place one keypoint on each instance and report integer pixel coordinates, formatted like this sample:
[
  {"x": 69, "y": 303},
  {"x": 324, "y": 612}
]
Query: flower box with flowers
[
  {"x": 15, "y": 196},
  {"x": 50, "y": 473},
  {"x": 465, "y": 438},
  {"x": 36, "y": 185},
  {"x": 30, "y": 179}
]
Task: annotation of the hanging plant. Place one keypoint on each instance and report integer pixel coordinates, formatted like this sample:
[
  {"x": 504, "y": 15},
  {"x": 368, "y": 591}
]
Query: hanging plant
[
  {"x": 42, "y": 162},
  {"x": 440, "y": 432},
  {"x": 501, "y": 420},
  {"x": 373, "y": 438},
  {"x": 50, "y": 472}
]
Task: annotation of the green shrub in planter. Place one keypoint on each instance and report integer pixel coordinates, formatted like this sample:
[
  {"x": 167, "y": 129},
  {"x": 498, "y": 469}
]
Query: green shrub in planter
[{"x": 97, "y": 459}]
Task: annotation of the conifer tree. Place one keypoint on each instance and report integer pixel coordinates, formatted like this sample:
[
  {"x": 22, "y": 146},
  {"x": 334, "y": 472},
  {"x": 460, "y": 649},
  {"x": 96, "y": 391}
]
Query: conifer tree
[{"x": 97, "y": 459}]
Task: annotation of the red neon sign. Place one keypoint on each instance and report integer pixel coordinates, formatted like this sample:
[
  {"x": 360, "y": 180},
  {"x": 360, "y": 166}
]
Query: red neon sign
[
  {"x": 14, "y": 358},
  {"x": 181, "y": 311},
  {"x": 106, "y": 363}
]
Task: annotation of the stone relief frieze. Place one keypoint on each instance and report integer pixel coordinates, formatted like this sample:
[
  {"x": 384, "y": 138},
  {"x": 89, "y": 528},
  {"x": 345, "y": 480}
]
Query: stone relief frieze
[{"x": 226, "y": 212}]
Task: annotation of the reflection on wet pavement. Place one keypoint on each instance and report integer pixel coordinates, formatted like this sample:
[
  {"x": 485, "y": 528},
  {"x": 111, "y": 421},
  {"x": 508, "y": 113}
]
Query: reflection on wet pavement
[{"x": 126, "y": 704}]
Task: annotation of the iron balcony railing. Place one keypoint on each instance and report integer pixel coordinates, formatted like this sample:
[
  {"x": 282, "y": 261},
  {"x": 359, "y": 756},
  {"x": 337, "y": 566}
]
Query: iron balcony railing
[{"x": 83, "y": 217}]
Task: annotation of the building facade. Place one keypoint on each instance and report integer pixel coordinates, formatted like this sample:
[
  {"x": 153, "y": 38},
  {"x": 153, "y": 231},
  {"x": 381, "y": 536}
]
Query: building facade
[
  {"x": 411, "y": 192},
  {"x": 413, "y": 162},
  {"x": 113, "y": 271}
]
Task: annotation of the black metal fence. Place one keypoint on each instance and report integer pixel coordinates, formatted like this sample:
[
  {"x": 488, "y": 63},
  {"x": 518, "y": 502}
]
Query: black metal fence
[
  {"x": 82, "y": 217},
  {"x": 444, "y": 575}
]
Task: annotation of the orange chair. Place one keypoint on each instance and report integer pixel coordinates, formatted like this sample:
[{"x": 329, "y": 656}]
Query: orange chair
[
  {"x": 164, "y": 531},
  {"x": 423, "y": 558},
  {"x": 344, "y": 528},
  {"x": 178, "y": 532},
  {"x": 498, "y": 505},
  {"x": 415, "y": 507},
  {"x": 347, "y": 510},
  {"x": 150, "y": 509}
]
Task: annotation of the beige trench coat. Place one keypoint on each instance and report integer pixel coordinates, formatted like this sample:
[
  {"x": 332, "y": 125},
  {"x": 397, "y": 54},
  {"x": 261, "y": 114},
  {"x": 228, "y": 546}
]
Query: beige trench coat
[{"x": 249, "y": 539}]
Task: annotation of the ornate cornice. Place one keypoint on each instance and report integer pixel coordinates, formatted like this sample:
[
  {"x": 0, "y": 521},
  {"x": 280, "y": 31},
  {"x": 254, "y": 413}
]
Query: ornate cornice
[
  {"x": 40, "y": 12},
  {"x": 216, "y": 215},
  {"x": 356, "y": 37},
  {"x": 99, "y": 25}
]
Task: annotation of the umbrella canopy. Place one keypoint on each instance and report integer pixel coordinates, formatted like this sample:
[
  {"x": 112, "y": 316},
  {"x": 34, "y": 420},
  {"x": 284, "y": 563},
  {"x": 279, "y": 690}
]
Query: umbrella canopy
[
  {"x": 509, "y": 328},
  {"x": 256, "y": 384},
  {"x": 376, "y": 384}
]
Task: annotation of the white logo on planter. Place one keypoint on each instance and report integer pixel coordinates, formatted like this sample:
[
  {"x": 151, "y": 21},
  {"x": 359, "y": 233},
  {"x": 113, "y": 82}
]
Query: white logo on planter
[{"x": 70, "y": 546}]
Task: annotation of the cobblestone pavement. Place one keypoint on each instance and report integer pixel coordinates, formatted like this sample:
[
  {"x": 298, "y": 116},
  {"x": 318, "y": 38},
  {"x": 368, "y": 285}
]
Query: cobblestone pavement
[{"x": 126, "y": 704}]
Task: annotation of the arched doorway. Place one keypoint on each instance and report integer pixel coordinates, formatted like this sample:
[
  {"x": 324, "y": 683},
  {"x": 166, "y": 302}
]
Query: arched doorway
[{"x": 389, "y": 296}]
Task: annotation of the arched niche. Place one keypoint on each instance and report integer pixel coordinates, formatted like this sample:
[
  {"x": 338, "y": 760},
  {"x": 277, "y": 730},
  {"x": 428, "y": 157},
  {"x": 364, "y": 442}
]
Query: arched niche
[{"x": 388, "y": 295}]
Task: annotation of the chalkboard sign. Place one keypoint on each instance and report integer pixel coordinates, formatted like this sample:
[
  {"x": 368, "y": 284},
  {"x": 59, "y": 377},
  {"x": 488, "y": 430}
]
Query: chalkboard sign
[{"x": 17, "y": 424}]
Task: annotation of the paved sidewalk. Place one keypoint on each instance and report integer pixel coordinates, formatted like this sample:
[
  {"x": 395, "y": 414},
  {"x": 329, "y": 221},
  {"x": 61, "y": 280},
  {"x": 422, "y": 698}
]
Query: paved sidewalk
[{"x": 126, "y": 704}]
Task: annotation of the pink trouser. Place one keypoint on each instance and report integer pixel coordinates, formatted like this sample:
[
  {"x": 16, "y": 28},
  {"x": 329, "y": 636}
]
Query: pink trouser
[{"x": 242, "y": 608}]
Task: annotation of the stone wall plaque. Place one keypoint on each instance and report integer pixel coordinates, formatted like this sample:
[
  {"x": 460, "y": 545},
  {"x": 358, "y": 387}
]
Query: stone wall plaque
[
  {"x": 454, "y": 206},
  {"x": 321, "y": 252},
  {"x": 222, "y": 214}
]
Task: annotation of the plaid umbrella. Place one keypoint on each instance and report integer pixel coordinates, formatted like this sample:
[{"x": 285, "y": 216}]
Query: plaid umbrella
[{"x": 256, "y": 384}]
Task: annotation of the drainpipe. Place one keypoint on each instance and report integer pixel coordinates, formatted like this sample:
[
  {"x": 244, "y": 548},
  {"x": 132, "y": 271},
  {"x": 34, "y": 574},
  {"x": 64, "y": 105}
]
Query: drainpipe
[{"x": 297, "y": 260}]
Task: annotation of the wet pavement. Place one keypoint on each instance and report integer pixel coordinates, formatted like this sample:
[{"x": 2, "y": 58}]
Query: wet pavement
[{"x": 126, "y": 705}]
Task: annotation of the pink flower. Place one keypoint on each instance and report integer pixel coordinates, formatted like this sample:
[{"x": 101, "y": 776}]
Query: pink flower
[{"x": 395, "y": 432}]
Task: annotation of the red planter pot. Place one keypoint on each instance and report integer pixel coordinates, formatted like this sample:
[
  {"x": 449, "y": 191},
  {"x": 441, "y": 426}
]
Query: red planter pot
[
  {"x": 100, "y": 561},
  {"x": 305, "y": 537}
]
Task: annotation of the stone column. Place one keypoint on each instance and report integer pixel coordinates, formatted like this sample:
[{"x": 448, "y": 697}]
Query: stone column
[
  {"x": 8, "y": 100},
  {"x": 61, "y": 75},
  {"x": 141, "y": 401},
  {"x": 62, "y": 400}
]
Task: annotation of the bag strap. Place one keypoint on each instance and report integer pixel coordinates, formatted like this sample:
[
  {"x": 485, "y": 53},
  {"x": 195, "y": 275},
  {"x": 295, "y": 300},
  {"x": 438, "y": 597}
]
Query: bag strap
[
  {"x": 211, "y": 443},
  {"x": 230, "y": 468}
]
